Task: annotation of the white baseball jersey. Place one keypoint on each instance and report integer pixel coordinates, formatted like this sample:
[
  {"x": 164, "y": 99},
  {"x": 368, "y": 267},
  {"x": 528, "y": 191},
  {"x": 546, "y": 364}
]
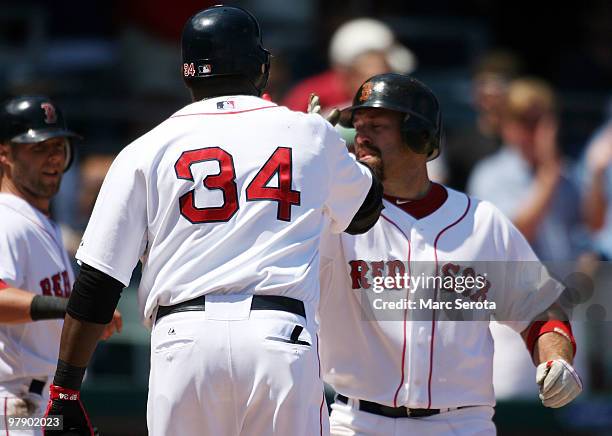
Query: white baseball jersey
[
  {"x": 228, "y": 195},
  {"x": 406, "y": 357},
  {"x": 32, "y": 257}
]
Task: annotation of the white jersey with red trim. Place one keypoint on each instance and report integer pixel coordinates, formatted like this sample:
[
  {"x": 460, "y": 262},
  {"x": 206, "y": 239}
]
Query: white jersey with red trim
[
  {"x": 228, "y": 195},
  {"x": 406, "y": 355},
  {"x": 33, "y": 258}
]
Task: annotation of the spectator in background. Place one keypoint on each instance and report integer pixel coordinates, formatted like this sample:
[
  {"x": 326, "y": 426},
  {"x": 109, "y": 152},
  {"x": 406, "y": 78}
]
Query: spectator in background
[
  {"x": 359, "y": 49},
  {"x": 527, "y": 180},
  {"x": 595, "y": 176},
  {"x": 466, "y": 146},
  {"x": 597, "y": 185}
]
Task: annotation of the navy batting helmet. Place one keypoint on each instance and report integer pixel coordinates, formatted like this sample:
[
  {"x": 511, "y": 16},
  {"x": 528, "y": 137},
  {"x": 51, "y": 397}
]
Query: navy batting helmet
[
  {"x": 224, "y": 41},
  {"x": 34, "y": 118},
  {"x": 422, "y": 123}
]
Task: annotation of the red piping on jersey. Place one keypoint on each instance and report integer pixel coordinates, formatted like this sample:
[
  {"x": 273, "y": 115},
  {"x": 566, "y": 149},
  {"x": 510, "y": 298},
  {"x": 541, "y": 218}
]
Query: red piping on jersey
[
  {"x": 224, "y": 113},
  {"x": 401, "y": 383},
  {"x": 3, "y": 285},
  {"x": 433, "y": 318}
]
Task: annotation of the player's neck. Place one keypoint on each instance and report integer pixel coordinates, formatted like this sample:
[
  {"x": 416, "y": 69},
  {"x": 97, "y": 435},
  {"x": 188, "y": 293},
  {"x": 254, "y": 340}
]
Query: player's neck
[
  {"x": 409, "y": 183},
  {"x": 43, "y": 204},
  {"x": 221, "y": 90}
]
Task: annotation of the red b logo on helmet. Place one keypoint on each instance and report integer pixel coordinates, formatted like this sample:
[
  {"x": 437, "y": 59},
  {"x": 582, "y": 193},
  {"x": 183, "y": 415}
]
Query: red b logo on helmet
[{"x": 50, "y": 114}]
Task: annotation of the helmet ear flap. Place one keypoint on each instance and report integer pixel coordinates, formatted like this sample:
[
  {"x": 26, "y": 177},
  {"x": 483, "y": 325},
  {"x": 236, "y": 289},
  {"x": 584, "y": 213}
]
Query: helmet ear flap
[
  {"x": 418, "y": 135},
  {"x": 262, "y": 80},
  {"x": 69, "y": 156}
]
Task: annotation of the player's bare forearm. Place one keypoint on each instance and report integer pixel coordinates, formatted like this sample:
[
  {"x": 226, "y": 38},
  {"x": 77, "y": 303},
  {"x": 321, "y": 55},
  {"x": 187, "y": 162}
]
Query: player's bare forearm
[
  {"x": 552, "y": 346},
  {"x": 15, "y": 306},
  {"x": 79, "y": 340}
]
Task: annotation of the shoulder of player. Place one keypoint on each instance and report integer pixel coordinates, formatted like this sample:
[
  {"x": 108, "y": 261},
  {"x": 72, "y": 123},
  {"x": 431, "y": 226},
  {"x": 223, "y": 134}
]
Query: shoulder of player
[
  {"x": 481, "y": 210},
  {"x": 15, "y": 225},
  {"x": 484, "y": 209},
  {"x": 315, "y": 120}
]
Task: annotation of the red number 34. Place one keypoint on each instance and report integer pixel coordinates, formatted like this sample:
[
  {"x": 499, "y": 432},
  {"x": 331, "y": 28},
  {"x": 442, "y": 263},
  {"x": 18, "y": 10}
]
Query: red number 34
[{"x": 225, "y": 181}]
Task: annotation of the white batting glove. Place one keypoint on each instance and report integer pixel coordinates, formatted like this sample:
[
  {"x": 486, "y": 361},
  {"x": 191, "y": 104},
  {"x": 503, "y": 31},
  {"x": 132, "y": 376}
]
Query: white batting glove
[
  {"x": 314, "y": 107},
  {"x": 559, "y": 383}
]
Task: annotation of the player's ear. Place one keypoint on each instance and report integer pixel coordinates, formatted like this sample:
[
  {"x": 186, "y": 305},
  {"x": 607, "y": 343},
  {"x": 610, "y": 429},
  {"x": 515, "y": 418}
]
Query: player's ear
[{"x": 4, "y": 153}]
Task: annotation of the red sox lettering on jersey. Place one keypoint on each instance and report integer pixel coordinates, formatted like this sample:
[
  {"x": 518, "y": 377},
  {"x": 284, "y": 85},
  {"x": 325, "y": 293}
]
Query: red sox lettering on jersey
[
  {"x": 392, "y": 273},
  {"x": 422, "y": 361}
]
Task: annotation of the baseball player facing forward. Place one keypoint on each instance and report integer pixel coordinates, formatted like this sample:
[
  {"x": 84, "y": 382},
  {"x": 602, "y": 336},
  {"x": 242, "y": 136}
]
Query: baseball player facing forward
[
  {"x": 35, "y": 273},
  {"x": 224, "y": 202},
  {"x": 427, "y": 375}
]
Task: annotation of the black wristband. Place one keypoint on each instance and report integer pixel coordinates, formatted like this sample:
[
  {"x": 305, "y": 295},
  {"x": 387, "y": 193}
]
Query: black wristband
[
  {"x": 68, "y": 376},
  {"x": 48, "y": 307}
]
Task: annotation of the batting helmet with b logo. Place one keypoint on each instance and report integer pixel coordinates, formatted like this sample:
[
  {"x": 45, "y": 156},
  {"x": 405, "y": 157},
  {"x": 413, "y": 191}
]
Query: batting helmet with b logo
[{"x": 34, "y": 118}]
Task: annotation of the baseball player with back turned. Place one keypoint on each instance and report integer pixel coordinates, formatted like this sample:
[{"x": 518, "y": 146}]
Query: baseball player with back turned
[
  {"x": 224, "y": 203},
  {"x": 429, "y": 375},
  {"x": 35, "y": 273}
]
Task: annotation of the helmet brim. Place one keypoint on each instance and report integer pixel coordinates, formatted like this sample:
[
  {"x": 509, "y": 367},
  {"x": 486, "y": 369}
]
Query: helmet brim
[
  {"x": 346, "y": 114},
  {"x": 39, "y": 135}
]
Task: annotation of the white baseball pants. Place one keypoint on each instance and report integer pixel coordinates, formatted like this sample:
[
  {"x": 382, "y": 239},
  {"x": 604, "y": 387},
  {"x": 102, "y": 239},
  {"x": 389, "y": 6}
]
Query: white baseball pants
[{"x": 230, "y": 371}]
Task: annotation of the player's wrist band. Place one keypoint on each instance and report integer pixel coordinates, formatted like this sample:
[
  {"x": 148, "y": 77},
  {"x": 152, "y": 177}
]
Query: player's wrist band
[
  {"x": 61, "y": 393},
  {"x": 538, "y": 328},
  {"x": 48, "y": 307},
  {"x": 68, "y": 376}
]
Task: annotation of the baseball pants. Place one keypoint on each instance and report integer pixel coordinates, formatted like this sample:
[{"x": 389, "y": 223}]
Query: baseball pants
[
  {"x": 348, "y": 420},
  {"x": 233, "y": 371}
]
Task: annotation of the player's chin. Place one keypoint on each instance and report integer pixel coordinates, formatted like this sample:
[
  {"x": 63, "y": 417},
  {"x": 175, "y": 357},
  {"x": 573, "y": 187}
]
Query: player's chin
[
  {"x": 49, "y": 188},
  {"x": 375, "y": 163}
]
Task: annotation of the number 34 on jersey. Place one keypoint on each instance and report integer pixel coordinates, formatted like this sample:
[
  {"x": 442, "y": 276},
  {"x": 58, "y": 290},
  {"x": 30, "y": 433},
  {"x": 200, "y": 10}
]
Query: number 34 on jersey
[{"x": 225, "y": 181}]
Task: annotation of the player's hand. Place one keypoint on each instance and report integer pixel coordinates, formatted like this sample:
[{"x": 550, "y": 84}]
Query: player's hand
[
  {"x": 115, "y": 325},
  {"x": 314, "y": 107},
  {"x": 17, "y": 407},
  {"x": 67, "y": 403},
  {"x": 559, "y": 383}
]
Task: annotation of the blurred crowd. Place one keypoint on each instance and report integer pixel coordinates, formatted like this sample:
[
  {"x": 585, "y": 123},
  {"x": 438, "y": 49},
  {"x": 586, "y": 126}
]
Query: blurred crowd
[{"x": 539, "y": 148}]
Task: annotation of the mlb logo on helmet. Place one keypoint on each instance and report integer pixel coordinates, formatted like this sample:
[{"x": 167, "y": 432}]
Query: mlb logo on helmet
[{"x": 204, "y": 69}]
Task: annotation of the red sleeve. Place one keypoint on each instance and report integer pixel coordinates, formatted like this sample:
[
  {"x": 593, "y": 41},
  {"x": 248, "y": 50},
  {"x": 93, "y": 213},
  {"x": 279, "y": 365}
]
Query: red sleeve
[{"x": 3, "y": 285}]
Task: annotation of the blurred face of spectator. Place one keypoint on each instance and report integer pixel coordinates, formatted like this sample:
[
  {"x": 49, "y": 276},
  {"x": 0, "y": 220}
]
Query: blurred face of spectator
[
  {"x": 530, "y": 106},
  {"x": 490, "y": 92},
  {"x": 363, "y": 67},
  {"x": 379, "y": 142},
  {"x": 93, "y": 171},
  {"x": 35, "y": 169},
  {"x": 520, "y": 131}
]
